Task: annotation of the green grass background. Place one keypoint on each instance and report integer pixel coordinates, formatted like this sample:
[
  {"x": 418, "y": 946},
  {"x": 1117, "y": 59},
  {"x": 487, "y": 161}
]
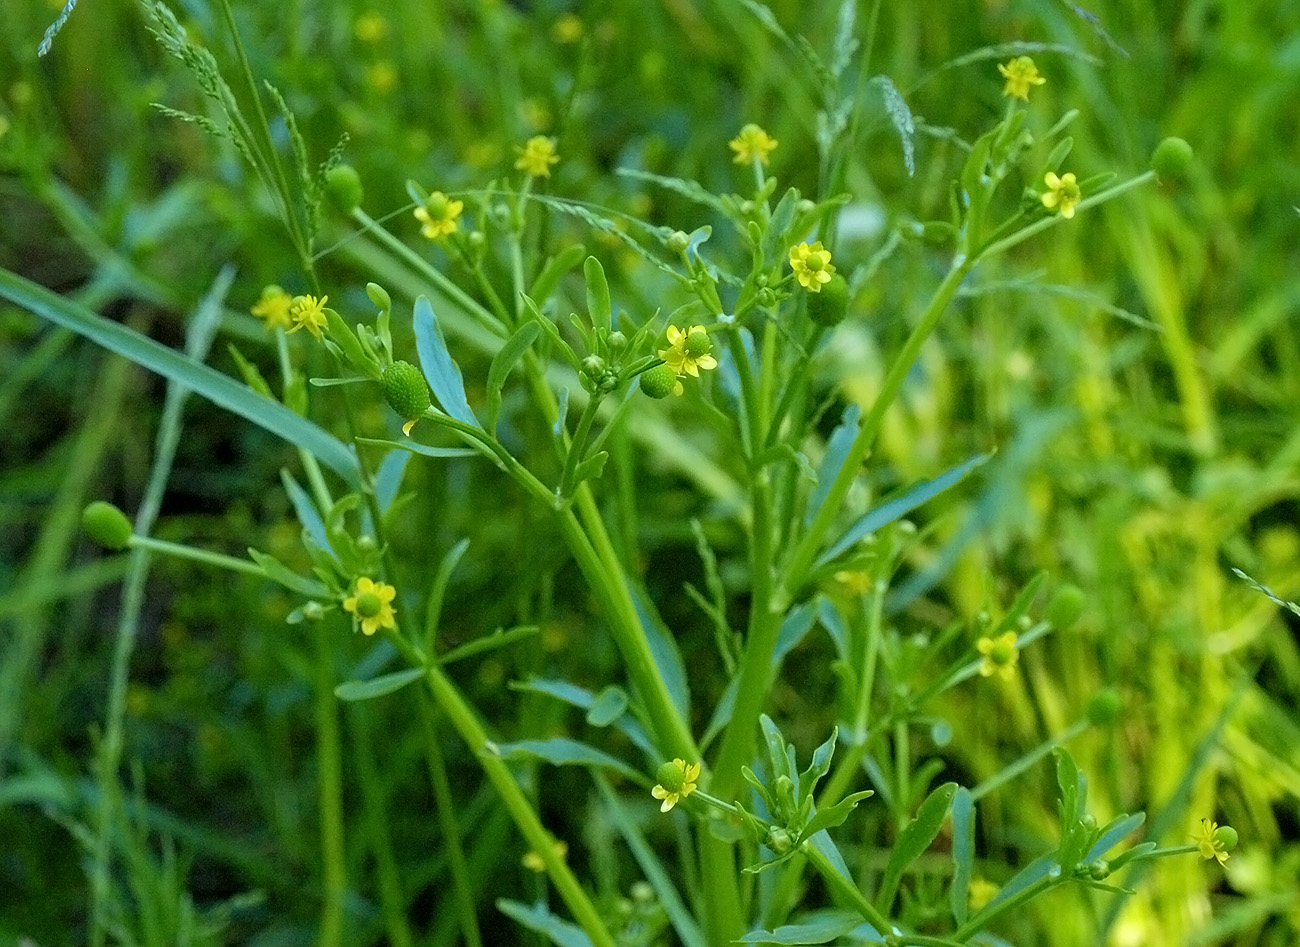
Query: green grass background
[{"x": 1138, "y": 371}]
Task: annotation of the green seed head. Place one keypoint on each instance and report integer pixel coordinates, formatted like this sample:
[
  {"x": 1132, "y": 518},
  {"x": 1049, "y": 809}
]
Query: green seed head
[
  {"x": 106, "y": 525},
  {"x": 1104, "y": 707},
  {"x": 1226, "y": 836},
  {"x": 1065, "y": 607},
  {"x": 697, "y": 343},
  {"x": 406, "y": 391},
  {"x": 829, "y": 307},
  {"x": 671, "y": 776},
  {"x": 1171, "y": 159},
  {"x": 658, "y": 382},
  {"x": 343, "y": 187}
]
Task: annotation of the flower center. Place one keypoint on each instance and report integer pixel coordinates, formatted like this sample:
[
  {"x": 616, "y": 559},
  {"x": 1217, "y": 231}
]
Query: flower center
[
  {"x": 1002, "y": 653},
  {"x": 368, "y": 604}
]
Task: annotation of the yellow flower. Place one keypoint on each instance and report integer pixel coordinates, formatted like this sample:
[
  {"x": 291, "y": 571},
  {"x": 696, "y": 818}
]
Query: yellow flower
[
  {"x": 677, "y": 780},
  {"x": 372, "y": 605},
  {"x": 370, "y": 27},
  {"x": 274, "y": 307},
  {"x": 812, "y": 265},
  {"x": 1062, "y": 193},
  {"x": 1213, "y": 841},
  {"x": 980, "y": 892},
  {"x": 1020, "y": 73},
  {"x": 567, "y": 29},
  {"x": 308, "y": 313},
  {"x": 688, "y": 351},
  {"x": 1000, "y": 655},
  {"x": 438, "y": 215},
  {"x": 751, "y": 143},
  {"x": 537, "y": 156},
  {"x": 853, "y": 581},
  {"x": 533, "y": 861},
  {"x": 382, "y": 77}
]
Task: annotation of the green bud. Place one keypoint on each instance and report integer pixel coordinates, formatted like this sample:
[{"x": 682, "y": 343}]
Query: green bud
[
  {"x": 343, "y": 187},
  {"x": 477, "y": 240},
  {"x": 1104, "y": 707},
  {"x": 766, "y": 298},
  {"x": 617, "y": 342},
  {"x": 1226, "y": 837},
  {"x": 406, "y": 391},
  {"x": 659, "y": 382},
  {"x": 593, "y": 366},
  {"x": 379, "y": 296},
  {"x": 829, "y": 307},
  {"x": 107, "y": 525},
  {"x": 1171, "y": 159},
  {"x": 1065, "y": 607},
  {"x": 1099, "y": 870},
  {"x": 313, "y": 611},
  {"x": 779, "y": 840},
  {"x": 678, "y": 241}
]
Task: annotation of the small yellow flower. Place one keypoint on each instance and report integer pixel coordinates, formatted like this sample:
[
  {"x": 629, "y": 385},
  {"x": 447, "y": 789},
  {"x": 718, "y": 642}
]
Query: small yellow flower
[
  {"x": 370, "y": 27},
  {"x": 1213, "y": 841},
  {"x": 1000, "y": 655},
  {"x": 1062, "y": 193},
  {"x": 438, "y": 216},
  {"x": 567, "y": 29},
  {"x": 751, "y": 143},
  {"x": 688, "y": 351},
  {"x": 677, "y": 780},
  {"x": 980, "y": 892},
  {"x": 372, "y": 605},
  {"x": 854, "y": 582},
  {"x": 308, "y": 313},
  {"x": 812, "y": 265},
  {"x": 274, "y": 308},
  {"x": 533, "y": 861},
  {"x": 382, "y": 77},
  {"x": 1020, "y": 73},
  {"x": 537, "y": 156}
]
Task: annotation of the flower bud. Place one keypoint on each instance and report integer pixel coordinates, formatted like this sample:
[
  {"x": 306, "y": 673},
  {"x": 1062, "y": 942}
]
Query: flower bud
[
  {"x": 678, "y": 241},
  {"x": 1099, "y": 870},
  {"x": 313, "y": 611},
  {"x": 659, "y": 382},
  {"x": 406, "y": 391},
  {"x": 778, "y": 840},
  {"x": 1064, "y": 607},
  {"x": 1104, "y": 707},
  {"x": 593, "y": 366},
  {"x": 617, "y": 342},
  {"x": 379, "y": 296},
  {"x": 107, "y": 525},
  {"x": 343, "y": 187},
  {"x": 829, "y": 307},
  {"x": 1171, "y": 159}
]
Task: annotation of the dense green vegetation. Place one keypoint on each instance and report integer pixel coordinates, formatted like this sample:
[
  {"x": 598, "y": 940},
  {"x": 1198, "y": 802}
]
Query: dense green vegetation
[{"x": 1096, "y": 428}]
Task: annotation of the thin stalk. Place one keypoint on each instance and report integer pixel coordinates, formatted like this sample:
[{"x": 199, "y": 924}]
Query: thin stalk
[
  {"x": 329, "y": 789},
  {"x": 463, "y": 889},
  {"x": 1006, "y": 243},
  {"x": 801, "y": 558},
  {"x": 516, "y": 802},
  {"x": 1014, "y": 769},
  {"x": 994, "y": 911},
  {"x": 220, "y": 560},
  {"x": 846, "y": 889},
  {"x": 578, "y": 444}
]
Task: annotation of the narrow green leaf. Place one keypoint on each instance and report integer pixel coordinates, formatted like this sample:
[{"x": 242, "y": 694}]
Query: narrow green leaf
[
  {"x": 417, "y": 448},
  {"x": 963, "y": 853},
  {"x": 901, "y": 118},
  {"x": 820, "y": 765},
  {"x": 377, "y": 687},
  {"x": 553, "y": 333},
  {"x": 498, "y": 639},
  {"x": 609, "y": 705},
  {"x": 537, "y": 917},
  {"x": 591, "y": 468},
  {"x": 555, "y": 269},
  {"x": 251, "y": 374},
  {"x": 561, "y": 751},
  {"x": 440, "y": 368},
  {"x": 276, "y": 571},
  {"x": 341, "y": 334},
  {"x": 912, "y": 842},
  {"x": 599, "y": 307},
  {"x": 821, "y": 927},
  {"x": 502, "y": 363},
  {"x": 834, "y": 816},
  {"x": 437, "y": 591},
  {"x": 1115, "y": 830},
  {"x": 221, "y": 390}
]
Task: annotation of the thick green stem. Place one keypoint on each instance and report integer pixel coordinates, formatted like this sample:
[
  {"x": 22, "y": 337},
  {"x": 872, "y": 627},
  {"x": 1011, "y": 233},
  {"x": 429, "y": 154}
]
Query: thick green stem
[{"x": 801, "y": 559}]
